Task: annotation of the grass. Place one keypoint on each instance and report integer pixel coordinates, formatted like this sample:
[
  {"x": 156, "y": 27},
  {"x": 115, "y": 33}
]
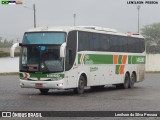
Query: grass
[
  {"x": 7, "y": 54},
  {"x": 9, "y": 73}
]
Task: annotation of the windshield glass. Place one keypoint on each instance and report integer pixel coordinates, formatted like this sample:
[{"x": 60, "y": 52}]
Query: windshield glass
[
  {"x": 41, "y": 58},
  {"x": 44, "y": 38}
]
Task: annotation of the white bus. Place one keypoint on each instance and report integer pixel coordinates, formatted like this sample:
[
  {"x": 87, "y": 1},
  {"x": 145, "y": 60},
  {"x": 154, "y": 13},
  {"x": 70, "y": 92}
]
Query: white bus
[{"x": 78, "y": 57}]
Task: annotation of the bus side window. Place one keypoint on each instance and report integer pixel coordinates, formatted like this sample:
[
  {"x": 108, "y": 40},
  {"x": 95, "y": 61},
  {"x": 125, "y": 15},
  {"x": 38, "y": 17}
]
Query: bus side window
[
  {"x": 71, "y": 49},
  {"x": 68, "y": 58}
]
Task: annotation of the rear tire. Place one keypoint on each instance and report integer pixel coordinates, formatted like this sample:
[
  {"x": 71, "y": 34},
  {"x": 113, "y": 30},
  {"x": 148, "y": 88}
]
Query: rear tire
[
  {"x": 132, "y": 80},
  {"x": 125, "y": 85},
  {"x": 81, "y": 85},
  {"x": 44, "y": 91}
]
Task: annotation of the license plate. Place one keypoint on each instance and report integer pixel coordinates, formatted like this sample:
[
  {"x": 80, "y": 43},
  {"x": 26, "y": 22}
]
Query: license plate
[{"x": 39, "y": 85}]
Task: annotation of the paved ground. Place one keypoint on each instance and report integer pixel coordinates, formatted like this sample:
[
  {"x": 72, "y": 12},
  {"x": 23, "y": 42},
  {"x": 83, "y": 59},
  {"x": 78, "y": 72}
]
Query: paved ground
[{"x": 144, "y": 97}]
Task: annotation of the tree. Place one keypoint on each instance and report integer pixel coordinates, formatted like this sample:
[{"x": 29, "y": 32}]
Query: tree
[
  {"x": 152, "y": 37},
  {"x": 6, "y": 43}
]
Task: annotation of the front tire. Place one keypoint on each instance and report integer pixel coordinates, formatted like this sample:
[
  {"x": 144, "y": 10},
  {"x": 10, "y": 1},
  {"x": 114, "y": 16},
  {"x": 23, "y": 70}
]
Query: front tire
[
  {"x": 44, "y": 91},
  {"x": 81, "y": 86}
]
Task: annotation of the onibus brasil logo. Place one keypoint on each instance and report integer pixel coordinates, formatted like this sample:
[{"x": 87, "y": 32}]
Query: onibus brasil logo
[{"x": 9, "y": 2}]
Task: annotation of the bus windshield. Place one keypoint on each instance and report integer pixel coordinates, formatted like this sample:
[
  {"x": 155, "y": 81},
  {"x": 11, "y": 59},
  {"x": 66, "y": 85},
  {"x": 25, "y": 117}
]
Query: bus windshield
[
  {"x": 40, "y": 52},
  {"x": 44, "y": 38},
  {"x": 41, "y": 59}
]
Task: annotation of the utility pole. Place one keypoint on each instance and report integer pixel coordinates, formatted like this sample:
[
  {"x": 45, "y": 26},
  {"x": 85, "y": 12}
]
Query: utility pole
[
  {"x": 74, "y": 16},
  {"x": 138, "y": 8},
  {"x": 34, "y": 12},
  {"x": 34, "y": 9}
]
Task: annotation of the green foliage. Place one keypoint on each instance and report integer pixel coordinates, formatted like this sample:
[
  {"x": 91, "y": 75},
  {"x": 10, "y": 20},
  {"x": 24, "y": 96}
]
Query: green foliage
[
  {"x": 5, "y": 43},
  {"x": 152, "y": 37},
  {"x": 3, "y": 54}
]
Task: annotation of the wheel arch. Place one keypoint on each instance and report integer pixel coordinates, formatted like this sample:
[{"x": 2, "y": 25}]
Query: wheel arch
[
  {"x": 126, "y": 72},
  {"x": 84, "y": 75}
]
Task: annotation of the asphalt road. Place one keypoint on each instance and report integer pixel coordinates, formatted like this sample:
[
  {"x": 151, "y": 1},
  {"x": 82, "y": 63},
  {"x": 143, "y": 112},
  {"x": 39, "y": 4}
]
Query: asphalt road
[{"x": 144, "y": 97}]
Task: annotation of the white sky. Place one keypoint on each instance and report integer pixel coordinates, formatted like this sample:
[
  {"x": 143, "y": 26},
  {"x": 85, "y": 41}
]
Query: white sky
[{"x": 116, "y": 14}]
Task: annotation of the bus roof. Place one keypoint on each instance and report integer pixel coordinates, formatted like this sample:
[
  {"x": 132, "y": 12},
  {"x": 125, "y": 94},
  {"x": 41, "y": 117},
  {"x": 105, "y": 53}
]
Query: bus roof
[{"x": 94, "y": 29}]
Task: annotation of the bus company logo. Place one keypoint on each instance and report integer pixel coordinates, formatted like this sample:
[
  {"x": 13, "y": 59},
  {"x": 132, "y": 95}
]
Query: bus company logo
[
  {"x": 26, "y": 75},
  {"x": 93, "y": 69},
  {"x": 6, "y": 114},
  {"x": 88, "y": 60},
  {"x": 53, "y": 75},
  {"x": 82, "y": 59},
  {"x": 140, "y": 59}
]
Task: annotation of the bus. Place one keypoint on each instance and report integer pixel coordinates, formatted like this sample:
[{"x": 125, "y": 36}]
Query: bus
[{"x": 80, "y": 56}]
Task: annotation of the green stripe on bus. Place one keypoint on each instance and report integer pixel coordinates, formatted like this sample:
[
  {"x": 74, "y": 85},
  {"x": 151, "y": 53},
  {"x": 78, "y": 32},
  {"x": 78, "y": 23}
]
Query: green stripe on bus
[
  {"x": 108, "y": 59},
  {"x": 101, "y": 59},
  {"x": 117, "y": 69},
  {"x": 20, "y": 74},
  {"x": 120, "y": 59},
  {"x": 129, "y": 59},
  {"x": 95, "y": 59},
  {"x": 136, "y": 59},
  {"x": 79, "y": 56}
]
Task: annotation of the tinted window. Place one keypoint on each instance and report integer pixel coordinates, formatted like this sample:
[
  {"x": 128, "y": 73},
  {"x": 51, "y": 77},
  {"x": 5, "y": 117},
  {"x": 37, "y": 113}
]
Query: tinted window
[
  {"x": 104, "y": 42},
  {"x": 142, "y": 45},
  {"x": 131, "y": 45},
  {"x": 114, "y": 45},
  {"x": 123, "y": 44},
  {"x": 95, "y": 42},
  {"x": 71, "y": 49},
  {"x": 83, "y": 41},
  {"x": 109, "y": 43},
  {"x": 44, "y": 38}
]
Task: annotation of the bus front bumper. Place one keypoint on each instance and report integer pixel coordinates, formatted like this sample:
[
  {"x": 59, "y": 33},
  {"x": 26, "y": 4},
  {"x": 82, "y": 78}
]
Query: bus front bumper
[{"x": 42, "y": 84}]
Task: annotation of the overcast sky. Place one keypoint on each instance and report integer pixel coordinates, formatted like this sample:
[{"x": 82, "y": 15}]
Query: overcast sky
[{"x": 116, "y": 14}]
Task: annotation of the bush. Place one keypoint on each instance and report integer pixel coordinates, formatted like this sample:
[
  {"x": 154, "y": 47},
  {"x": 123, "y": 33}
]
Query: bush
[{"x": 7, "y": 54}]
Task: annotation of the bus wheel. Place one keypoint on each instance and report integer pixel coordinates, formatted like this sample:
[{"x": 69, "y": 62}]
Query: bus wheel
[
  {"x": 81, "y": 85},
  {"x": 44, "y": 91},
  {"x": 132, "y": 80},
  {"x": 126, "y": 81}
]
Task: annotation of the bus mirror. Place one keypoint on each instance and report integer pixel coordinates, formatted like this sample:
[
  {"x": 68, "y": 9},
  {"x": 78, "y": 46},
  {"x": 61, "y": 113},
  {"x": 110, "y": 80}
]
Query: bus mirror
[
  {"x": 20, "y": 44},
  {"x": 13, "y": 49},
  {"x": 62, "y": 50}
]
